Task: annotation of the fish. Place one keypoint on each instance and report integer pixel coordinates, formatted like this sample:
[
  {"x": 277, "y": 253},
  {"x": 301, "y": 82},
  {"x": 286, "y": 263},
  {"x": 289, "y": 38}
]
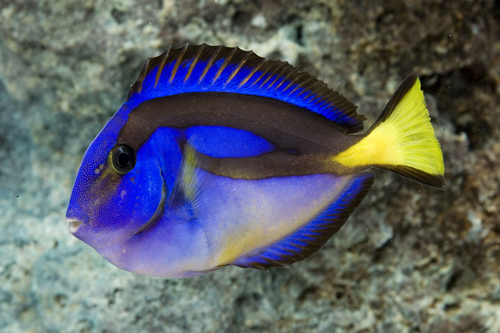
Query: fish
[{"x": 220, "y": 157}]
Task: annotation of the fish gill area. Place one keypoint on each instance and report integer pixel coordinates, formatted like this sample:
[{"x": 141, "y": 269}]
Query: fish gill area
[{"x": 410, "y": 259}]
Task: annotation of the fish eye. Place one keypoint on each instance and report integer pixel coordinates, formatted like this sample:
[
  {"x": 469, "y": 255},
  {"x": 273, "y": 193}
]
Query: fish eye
[{"x": 121, "y": 159}]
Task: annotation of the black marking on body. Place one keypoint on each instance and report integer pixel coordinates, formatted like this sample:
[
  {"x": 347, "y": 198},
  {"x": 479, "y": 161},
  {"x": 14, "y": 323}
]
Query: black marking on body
[{"x": 312, "y": 138}]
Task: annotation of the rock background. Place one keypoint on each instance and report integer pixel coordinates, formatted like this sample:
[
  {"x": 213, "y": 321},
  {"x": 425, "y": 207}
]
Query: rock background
[{"x": 411, "y": 259}]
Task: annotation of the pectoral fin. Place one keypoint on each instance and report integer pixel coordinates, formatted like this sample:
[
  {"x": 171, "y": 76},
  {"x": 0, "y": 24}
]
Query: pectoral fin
[{"x": 187, "y": 184}]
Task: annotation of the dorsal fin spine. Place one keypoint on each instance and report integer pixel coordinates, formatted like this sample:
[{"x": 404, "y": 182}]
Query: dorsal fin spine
[
  {"x": 279, "y": 75},
  {"x": 323, "y": 103},
  {"x": 161, "y": 65},
  {"x": 306, "y": 96},
  {"x": 252, "y": 73},
  {"x": 271, "y": 74},
  {"x": 209, "y": 64},
  {"x": 177, "y": 63},
  {"x": 264, "y": 77},
  {"x": 284, "y": 80},
  {"x": 291, "y": 83},
  {"x": 298, "y": 86},
  {"x": 263, "y": 74},
  {"x": 310, "y": 92},
  {"x": 142, "y": 74},
  {"x": 224, "y": 65},
  {"x": 194, "y": 62},
  {"x": 238, "y": 68},
  {"x": 279, "y": 79},
  {"x": 305, "y": 91}
]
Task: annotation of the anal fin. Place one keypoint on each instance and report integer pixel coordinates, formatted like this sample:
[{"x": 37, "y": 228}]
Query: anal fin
[{"x": 309, "y": 239}]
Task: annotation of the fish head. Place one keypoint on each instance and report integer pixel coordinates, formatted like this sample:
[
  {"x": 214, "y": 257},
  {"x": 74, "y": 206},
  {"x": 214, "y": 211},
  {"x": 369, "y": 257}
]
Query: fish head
[{"x": 117, "y": 191}]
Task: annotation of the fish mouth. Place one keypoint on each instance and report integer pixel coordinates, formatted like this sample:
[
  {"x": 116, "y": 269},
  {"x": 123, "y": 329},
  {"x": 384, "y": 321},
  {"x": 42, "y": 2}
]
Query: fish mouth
[{"x": 74, "y": 225}]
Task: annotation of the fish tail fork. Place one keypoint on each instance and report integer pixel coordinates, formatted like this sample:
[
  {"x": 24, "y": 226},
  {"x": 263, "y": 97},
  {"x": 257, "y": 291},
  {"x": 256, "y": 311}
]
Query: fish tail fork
[{"x": 401, "y": 140}]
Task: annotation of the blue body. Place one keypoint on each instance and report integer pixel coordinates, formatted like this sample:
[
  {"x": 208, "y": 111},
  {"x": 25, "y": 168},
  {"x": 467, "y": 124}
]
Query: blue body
[{"x": 169, "y": 217}]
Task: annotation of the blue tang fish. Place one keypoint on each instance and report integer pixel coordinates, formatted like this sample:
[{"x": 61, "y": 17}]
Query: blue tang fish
[{"x": 220, "y": 157}]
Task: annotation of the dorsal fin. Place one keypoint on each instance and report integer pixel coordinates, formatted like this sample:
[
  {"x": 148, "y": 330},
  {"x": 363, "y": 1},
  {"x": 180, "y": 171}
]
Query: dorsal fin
[{"x": 217, "y": 68}]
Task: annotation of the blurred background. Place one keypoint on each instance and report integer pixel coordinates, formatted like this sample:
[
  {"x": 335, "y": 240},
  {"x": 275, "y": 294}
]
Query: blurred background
[{"x": 410, "y": 259}]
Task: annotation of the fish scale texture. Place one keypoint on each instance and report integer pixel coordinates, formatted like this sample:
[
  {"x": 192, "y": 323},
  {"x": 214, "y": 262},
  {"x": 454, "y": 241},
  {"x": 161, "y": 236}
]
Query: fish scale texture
[{"x": 409, "y": 259}]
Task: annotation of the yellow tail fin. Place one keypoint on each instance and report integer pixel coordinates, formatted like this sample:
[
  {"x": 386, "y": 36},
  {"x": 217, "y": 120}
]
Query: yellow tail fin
[{"x": 401, "y": 140}]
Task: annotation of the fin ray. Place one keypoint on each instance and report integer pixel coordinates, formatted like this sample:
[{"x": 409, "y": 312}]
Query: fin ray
[
  {"x": 186, "y": 189},
  {"x": 164, "y": 57},
  {"x": 193, "y": 63}
]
